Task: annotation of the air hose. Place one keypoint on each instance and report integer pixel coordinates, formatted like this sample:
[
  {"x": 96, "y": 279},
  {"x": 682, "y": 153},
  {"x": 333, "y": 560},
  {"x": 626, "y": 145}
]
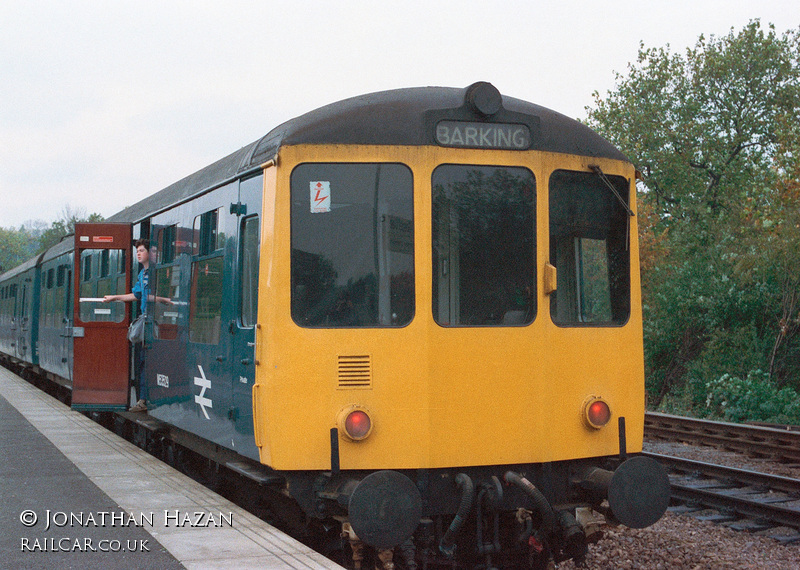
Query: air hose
[
  {"x": 540, "y": 502},
  {"x": 447, "y": 545}
]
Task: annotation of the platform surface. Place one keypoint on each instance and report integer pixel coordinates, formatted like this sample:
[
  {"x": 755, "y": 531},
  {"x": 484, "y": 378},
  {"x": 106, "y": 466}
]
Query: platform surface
[{"x": 75, "y": 495}]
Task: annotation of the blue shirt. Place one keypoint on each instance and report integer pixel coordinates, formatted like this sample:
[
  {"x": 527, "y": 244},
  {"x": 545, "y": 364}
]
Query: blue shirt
[{"x": 142, "y": 289}]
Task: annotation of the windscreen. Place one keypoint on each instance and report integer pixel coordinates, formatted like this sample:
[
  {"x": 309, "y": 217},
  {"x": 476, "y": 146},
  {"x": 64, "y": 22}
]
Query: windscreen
[
  {"x": 589, "y": 233},
  {"x": 352, "y": 245},
  {"x": 484, "y": 245}
]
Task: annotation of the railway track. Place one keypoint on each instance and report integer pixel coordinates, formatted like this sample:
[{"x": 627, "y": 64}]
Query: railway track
[
  {"x": 742, "y": 499},
  {"x": 772, "y": 443}
]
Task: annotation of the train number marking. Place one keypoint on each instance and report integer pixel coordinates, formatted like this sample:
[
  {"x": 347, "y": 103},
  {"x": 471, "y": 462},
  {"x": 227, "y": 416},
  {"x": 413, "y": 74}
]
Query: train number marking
[{"x": 205, "y": 384}]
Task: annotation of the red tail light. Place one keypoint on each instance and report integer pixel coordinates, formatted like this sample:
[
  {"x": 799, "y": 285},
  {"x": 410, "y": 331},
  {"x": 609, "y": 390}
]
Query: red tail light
[
  {"x": 597, "y": 413},
  {"x": 355, "y": 423}
]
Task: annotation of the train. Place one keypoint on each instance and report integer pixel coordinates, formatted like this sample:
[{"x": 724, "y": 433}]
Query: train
[{"x": 415, "y": 312}]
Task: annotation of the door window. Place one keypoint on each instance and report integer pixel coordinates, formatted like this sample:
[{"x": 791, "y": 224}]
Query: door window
[
  {"x": 101, "y": 274},
  {"x": 248, "y": 271},
  {"x": 484, "y": 245},
  {"x": 206, "y": 300}
]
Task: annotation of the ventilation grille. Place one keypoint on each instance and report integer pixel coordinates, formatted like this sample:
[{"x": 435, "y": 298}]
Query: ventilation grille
[{"x": 355, "y": 371}]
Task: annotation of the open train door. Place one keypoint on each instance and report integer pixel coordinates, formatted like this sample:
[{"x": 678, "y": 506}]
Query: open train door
[{"x": 101, "y": 352}]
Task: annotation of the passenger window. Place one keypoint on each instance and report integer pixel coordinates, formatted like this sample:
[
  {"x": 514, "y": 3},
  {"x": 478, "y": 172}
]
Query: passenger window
[
  {"x": 105, "y": 263},
  {"x": 484, "y": 245},
  {"x": 43, "y": 301},
  {"x": 223, "y": 229},
  {"x": 205, "y": 233},
  {"x": 166, "y": 244},
  {"x": 86, "y": 265},
  {"x": 205, "y": 308},
  {"x": 167, "y": 316},
  {"x": 248, "y": 271},
  {"x": 210, "y": 232},
  {"x": 589, "y": 229},
  {"x": 352, "y": 231}
]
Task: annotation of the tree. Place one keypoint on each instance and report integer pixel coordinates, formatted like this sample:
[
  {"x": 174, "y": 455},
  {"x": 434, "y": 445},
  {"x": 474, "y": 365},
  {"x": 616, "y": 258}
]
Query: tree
[
  {"x": 12, "y": 248},
  {"x": 34, "y": 237},
  {"x": 715, "y": 135},
  {"x": 65, "y": 226},
  {"x": 19, "y": 245},
  {"x": 704, "y": 129}
]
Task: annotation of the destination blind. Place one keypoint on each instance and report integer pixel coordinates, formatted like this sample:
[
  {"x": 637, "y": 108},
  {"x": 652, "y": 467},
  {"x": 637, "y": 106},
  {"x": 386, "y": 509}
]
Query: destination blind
[{"x": 508, "y": 136}]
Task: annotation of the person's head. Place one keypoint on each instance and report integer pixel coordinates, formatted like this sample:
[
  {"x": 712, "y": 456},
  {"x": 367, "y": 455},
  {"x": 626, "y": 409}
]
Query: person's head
[{"x": 143, "y": 251}]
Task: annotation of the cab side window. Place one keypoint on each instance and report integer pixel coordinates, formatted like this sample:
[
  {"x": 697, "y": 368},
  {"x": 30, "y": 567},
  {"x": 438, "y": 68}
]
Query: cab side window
[
  {"x": 248, "y": 267},
  {"x": 205, "y": 305}
]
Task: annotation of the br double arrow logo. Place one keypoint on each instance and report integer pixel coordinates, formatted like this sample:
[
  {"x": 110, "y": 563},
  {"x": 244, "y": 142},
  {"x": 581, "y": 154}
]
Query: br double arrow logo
[{"x": 204, "y": 384}]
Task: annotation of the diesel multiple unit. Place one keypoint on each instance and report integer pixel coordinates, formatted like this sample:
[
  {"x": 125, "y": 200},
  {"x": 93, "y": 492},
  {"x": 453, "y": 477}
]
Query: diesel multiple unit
[{"x": 418, "y": 310}]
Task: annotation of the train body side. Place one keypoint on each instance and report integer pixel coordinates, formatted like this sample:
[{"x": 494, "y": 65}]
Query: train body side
[
  {"x": 55, "y": 317},
  {"x": 19, "y": 323},
  {"x": 199, "y": 361}
]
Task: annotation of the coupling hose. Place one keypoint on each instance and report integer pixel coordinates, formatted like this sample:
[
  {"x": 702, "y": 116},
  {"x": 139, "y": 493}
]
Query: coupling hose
[
  {"x": 447, "y": 545},
  {"x": 541, "y": 504}
]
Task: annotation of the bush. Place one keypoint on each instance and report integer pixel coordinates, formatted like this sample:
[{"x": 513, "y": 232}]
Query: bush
[{"x": 755, "y": 398}]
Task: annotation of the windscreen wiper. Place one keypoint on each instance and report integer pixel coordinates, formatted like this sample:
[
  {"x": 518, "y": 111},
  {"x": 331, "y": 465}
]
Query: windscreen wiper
[{"x": 599, "y": 171}]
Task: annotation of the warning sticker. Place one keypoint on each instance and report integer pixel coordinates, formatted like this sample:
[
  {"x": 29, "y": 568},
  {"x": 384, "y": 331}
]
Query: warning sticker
[{"x": 320, "y": 197}]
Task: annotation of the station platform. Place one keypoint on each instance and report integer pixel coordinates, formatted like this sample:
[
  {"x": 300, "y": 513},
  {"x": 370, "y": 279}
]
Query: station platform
[{"x": 75, "y": 495}]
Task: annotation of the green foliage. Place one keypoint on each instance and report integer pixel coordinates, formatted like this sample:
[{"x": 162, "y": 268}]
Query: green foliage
[
  {"x": 31, "y": 239},
  {"x": 715, "y": 133},
  {"x": 18, "y": 245},
  {"x": 754, "y": 398},
  {"x": 704, "y": 128},
  {"x": 65, "y": 226}
]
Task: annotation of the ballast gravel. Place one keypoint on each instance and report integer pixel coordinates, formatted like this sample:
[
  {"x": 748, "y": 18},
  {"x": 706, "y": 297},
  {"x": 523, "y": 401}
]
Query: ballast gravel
[{"x": 678, "y": 542}]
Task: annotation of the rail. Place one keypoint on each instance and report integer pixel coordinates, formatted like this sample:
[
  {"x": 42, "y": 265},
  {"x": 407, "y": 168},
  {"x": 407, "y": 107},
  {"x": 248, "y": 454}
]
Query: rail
[
  {"x": 747, "y": 500},
  {"x": 780, "y": 445}
]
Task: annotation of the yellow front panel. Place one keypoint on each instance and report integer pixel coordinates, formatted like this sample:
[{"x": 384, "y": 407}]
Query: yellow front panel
[{"x": 439, "y": 396}]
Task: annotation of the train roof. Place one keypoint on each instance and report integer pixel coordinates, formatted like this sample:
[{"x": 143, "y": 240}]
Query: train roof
[
  {"x": 409, "y": 117},
  {"x": 66, "y": 245},
  {"x": 398, "y": 117},
  {"x": 21, "y": 268}
]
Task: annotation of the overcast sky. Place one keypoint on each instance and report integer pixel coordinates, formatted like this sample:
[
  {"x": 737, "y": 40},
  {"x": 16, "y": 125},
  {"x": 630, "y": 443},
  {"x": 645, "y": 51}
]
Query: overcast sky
[{"x": 105, "y": 103}]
